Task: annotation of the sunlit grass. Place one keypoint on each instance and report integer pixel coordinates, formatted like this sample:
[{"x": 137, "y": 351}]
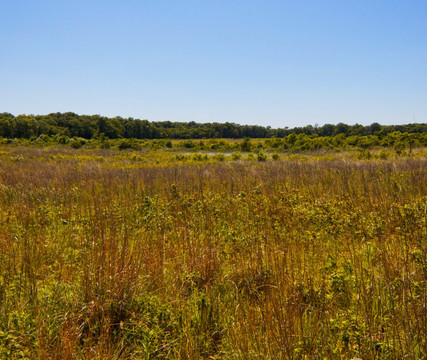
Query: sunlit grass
[{"x": 109, "y": 254}]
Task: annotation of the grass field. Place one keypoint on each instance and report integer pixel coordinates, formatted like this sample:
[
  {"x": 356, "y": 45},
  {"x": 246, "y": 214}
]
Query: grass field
[{"x": 157, "y": 254}]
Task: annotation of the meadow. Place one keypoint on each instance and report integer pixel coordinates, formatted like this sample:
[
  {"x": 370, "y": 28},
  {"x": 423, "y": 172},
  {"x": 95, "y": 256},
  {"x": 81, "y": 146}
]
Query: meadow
[{"x": 176, "y": 254}]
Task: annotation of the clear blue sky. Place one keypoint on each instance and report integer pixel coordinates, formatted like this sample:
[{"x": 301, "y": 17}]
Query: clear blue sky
[{"x": 277, "y": 63}]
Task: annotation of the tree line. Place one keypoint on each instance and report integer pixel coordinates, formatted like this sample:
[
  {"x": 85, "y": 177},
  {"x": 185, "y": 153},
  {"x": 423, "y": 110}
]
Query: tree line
[{"x": 71, "y": 125}]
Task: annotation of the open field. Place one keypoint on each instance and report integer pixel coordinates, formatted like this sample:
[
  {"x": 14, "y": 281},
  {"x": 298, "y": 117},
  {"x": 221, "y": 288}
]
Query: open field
[{"x": 109, "y": 254}]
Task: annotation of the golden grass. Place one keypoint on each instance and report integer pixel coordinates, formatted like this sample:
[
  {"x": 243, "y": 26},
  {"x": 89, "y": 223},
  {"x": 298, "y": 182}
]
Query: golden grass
[{"x": 138, "y": 255}]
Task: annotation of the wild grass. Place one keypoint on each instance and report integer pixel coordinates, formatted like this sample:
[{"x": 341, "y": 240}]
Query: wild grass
[{"x": 108, "y": 256}]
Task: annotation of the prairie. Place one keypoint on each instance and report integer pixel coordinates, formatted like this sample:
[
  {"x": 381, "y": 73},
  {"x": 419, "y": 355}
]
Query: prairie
[{"x": 156, "y": 254}]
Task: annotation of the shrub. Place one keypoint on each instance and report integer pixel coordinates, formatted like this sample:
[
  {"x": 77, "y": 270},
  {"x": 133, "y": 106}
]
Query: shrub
[
  {"x": 219, "y": 157},
  {"x": 180, "y": 157},
  {"x": 129, "y": 144},
  {"x": 77, "y": 143},
  {"x": 125, "y": 144},
  {"x": 261, "y": 156},
  {"x": 236, "y": 156},
  {"x": 364, "y": 154},
  {"x": 199, "y": 157},
  {"x": 246, "y": 145}
]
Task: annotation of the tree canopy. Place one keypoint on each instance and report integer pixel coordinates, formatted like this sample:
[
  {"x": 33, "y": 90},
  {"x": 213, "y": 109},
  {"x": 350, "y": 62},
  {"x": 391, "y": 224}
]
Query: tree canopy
[{"x": 93, "y": 126}]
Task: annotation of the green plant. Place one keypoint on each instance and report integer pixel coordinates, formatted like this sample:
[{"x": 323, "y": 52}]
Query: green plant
[
  {"x": 261, "y": 156},
  {"x": 236, "y": 156},
  {"x": 219, "y": 157}
]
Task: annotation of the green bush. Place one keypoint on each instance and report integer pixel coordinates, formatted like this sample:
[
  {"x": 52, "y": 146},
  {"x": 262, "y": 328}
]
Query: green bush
[
  {"x": 219, "y": 157},
  {"x": 77, "y": 143},
  {"x": 236, "y": 156},
  {"x": 261, "y": 156}
]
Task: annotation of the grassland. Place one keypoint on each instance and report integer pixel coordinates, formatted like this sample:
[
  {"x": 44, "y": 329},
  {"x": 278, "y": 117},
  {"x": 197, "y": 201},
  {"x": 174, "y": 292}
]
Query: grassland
[{"x": 162, "y": 254}]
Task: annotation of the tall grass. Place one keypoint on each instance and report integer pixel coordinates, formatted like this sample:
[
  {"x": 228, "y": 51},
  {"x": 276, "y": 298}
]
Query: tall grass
[{"x": 282, "y": 259}]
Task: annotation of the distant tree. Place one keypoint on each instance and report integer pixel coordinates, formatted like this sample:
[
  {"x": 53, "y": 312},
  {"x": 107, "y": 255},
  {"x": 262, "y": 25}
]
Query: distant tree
[
  {"x": 70, "y": 124},
  {"x": 374, "y": 128},
  {"x": 342, "y": 129},
  {"x": 326, "y": 130},
  {"x": 21, "y": 127}
]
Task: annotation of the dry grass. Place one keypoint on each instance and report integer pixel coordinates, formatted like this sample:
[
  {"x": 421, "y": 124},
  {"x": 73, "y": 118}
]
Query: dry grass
[{"x": 106, "y": 257}]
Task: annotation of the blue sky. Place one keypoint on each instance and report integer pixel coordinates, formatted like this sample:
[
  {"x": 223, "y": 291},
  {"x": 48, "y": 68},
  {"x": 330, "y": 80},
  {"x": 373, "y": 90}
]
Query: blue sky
[{"x": 271, "y": 63}]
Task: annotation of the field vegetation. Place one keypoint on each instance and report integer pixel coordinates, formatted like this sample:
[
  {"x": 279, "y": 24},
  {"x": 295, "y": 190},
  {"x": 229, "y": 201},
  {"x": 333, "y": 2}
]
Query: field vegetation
[{"x": 220, "y": 249}]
